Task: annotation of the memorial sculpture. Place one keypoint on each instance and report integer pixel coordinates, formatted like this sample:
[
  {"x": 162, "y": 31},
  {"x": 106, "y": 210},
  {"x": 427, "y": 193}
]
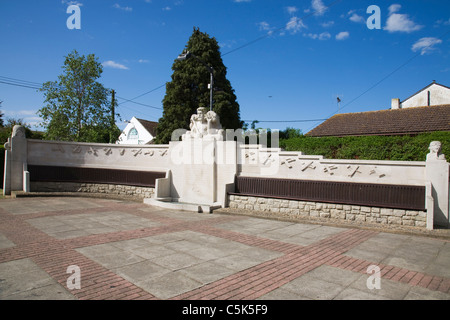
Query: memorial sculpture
[{"x": 204, "y": 126}]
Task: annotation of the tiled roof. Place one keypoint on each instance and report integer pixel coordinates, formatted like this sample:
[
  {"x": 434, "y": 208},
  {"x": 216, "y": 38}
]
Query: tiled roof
[
  {"x": 386, "y": 122},
  {"x": 150, "y": 126}
]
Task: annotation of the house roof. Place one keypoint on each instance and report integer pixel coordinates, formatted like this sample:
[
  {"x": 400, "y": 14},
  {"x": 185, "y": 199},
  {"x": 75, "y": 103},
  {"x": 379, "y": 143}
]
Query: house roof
[
  {"x": 150, "y": 126},
  {"x": 386, "y": 122}
]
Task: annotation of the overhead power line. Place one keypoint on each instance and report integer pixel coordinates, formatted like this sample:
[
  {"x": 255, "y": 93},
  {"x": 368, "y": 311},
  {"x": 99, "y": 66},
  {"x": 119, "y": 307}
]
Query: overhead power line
[
  {"x": 139, "y": 111},
  {"x": 419, "y": 53},
  {"x": 36, "y": 85},
  {"x": 19, "y": 85},
  {"x": 268, "y": 34},
  {"x": 252, "y": 42},
  {"x": 131, "y": 100},
  {"x": 138, "y": 103}
]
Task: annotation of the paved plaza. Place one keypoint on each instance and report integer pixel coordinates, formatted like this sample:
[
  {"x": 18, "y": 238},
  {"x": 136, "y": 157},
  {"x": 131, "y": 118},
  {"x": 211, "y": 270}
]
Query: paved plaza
[{"x": 115, "y": 249}]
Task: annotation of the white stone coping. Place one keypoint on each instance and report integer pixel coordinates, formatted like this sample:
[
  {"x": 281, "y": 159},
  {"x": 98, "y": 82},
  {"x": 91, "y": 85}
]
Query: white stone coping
[{"x": 109, "y": 145}]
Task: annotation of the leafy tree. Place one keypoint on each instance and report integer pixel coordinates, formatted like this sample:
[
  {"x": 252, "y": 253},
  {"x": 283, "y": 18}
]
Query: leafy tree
[
  {"x": 189, "y": 90},
  {"x": 290, "y": 133},
  {"x": 6, "y": 130},
  {"x": 78, "y": 107}
]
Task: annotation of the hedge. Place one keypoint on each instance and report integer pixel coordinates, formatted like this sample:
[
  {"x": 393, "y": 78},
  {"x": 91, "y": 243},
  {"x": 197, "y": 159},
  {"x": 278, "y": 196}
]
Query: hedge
[{"x": 401, "y": 148}]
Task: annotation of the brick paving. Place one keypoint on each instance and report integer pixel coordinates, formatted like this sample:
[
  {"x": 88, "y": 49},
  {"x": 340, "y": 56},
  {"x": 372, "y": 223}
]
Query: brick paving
[{"x": 128, "y": 250}]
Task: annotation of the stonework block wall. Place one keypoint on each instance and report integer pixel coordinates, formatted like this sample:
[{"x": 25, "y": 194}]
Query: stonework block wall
[
  {"x": 112, "y": 189},
  {"x": 326, "y": 210}
]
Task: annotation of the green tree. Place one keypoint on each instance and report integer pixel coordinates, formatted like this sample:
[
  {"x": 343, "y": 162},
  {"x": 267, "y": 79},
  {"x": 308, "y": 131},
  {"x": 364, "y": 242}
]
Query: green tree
[
  {"x": 290, "y": 133},
  {"x": 78, "y": 107},
  {"x": 6, "y": 130},
  {"x": 188, "y": 89}
]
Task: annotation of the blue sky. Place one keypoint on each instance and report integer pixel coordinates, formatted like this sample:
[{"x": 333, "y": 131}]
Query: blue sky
[{"x": 286, "y": 60}]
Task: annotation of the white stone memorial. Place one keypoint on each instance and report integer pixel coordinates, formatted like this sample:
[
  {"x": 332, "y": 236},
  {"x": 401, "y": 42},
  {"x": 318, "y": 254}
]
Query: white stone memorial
[
  {"x": 201, "y": 166},
  {"x": 437, "y": 172}
]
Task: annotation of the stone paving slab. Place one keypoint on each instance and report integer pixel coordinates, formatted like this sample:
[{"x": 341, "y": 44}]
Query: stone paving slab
[{"x": 128, "y": 250}]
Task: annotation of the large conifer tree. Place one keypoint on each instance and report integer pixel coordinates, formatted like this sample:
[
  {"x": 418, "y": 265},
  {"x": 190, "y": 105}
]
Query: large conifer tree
[{"x": 188, "y": 89}]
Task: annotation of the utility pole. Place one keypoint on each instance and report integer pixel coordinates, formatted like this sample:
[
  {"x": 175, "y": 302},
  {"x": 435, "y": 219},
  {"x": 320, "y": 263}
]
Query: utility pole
[
  {"x": 187, "y": 55},
  {"x": 113, "y": 118}
]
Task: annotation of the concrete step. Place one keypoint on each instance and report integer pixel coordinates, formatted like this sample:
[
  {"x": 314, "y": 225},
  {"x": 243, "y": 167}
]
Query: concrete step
[{"x": 169, "y": 204}]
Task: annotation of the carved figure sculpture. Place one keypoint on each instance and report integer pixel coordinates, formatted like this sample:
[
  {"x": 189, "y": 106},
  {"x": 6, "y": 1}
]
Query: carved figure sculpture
[
  {"x": 204, "y": 125},
  {"x": 435, "y": 151}
]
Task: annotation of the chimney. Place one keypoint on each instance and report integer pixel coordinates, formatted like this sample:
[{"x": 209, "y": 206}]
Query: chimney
[{"x": 395, "y": 104}]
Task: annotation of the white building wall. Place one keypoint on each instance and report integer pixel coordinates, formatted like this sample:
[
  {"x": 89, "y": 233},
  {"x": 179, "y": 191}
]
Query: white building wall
[
  {"x": 438, "y": 95},
  {"x": 144, "y": 136}
]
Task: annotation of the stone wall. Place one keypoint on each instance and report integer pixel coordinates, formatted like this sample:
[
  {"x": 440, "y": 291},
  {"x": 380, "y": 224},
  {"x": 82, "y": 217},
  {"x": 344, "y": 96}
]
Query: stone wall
[
  {"x": 303, "y": 209},
  {"x": 201, "y": 170},
  {"x": 110, "y": 189}
]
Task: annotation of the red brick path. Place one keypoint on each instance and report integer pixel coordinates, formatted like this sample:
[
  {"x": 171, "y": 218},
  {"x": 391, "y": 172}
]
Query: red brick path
[{"x": 54, "y": 256}]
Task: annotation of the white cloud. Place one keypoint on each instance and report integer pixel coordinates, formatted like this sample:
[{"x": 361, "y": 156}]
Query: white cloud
[
  {"x": 114, "y": 65},
  {"x": 321, "y": 36},
  {"x": 324, "y": 36},
  {"x": 394, "y": 8},
  {"x": 327, "y": 24},
  {"x": 291, "y": 10},
  {"x": 166, "y": 8},
  {"x": 263, "y": 25},
  {"x": 443, "y": 22},
  {"x": 20, "y": 113},
  {"x": 342, "y": 35},
  {"x": 27, "y": 116},
  {"x": 425, "y": 45},
  {"x": 70, "y": 3},
  {"x": 33, "y": 121},
  {"x": 227, "y": 44},
  {"x": 318, "y": 7},
  {"x": 357, "y": 18},
  {"x": 143, "y": 61},
  {"x": 118, "y": 6},
  {"x": 397, "y": 22},
  {"x": 295, "y": 25},
  {"x": 242, "y": 0}
]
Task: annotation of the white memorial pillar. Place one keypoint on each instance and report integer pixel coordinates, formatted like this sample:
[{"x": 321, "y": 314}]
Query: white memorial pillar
[
  {"x": 202, "y": 164},
  {"x": 437, "y": 172},
  {"x": 16, "y": 162}
]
